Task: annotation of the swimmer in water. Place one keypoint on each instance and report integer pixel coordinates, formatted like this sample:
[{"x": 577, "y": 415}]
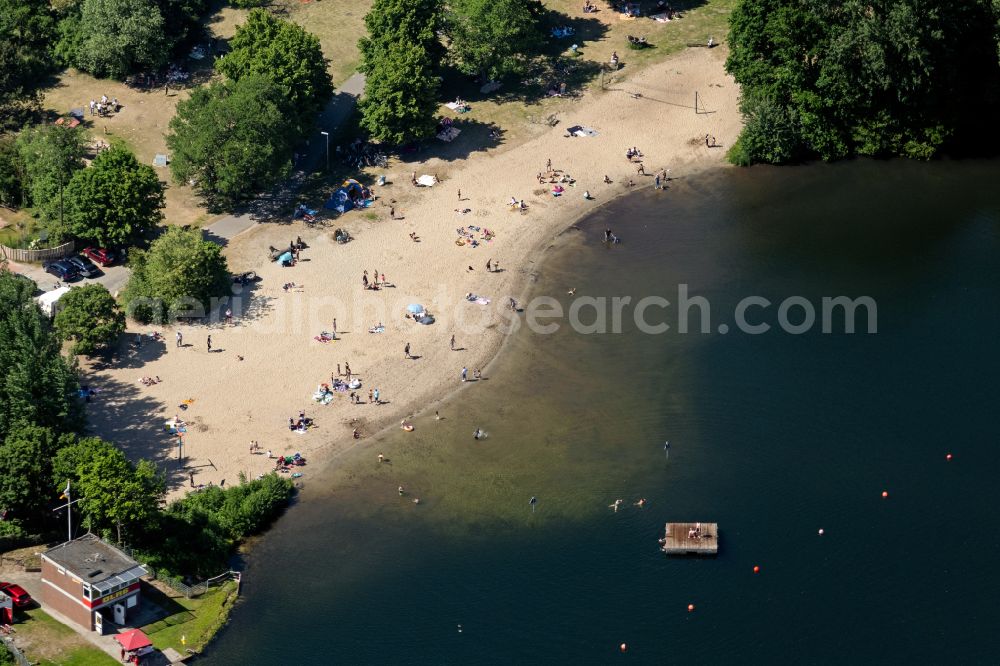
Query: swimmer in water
[
  {"x": 641, "y": 503},
  {"x": 618, "y": 503}
]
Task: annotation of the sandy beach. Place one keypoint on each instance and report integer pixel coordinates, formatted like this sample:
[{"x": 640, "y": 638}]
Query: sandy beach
[{"x": 265, "y": 365}]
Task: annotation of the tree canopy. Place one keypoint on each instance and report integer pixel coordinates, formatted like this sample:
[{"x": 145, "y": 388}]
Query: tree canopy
[
  {"x": 231, "y": 139},
  {"x": 413, "y": 22},
  {"x": 493, "y": 38},
  {"x": 400, "y": 56},
  {"x": 283, "y": 51},
  {"x": 11, "y": 174},
  {"x": 90, "y": 317},
  {"x": 833, "y": 79},
  {"x": 112, "y": 203},
  {"x": 120, "y": 36},
  {"x": 180, "y": 274},
  {"x": 50, "y": 154},
  {"x": 400, "y": 99},
  {"x": 38, "y": 387},
  {"x": 26, "y": 471},
  {"x": 117, "y": 493},
  {"x": 27, "y": 28}
]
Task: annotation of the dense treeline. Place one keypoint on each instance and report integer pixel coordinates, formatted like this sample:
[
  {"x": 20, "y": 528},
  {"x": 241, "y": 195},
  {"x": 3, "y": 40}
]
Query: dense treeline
[
  {"x": 879, "y": 78},
  {"x": 42, "y": 447}
]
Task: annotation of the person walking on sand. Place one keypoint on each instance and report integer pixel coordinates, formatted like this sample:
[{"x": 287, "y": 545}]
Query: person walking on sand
[
  {"x": 656, "y": 182},
  {"x": 459, "y": 194},
  {"x": 641, "y": 170},
  {"x": 401, "y": 491},
  {"x": 335, "y": 326},
  {"x": 381, "y": 458},
  {"x": 548, "y": 165},
  {"x": 210, "y": 343},
  {"x": 378, "y": 401},
  {"x": 180, "y": 339},
  {"x": 229, "y": 316},
  {"x": 488, "y": 264},
  {"x": 453, "y": 342},
  {"x": 371, "y": 396},
  {"x": 338, "y": 371},
  {"x": 406, "y": 350},
  {"x": 465, "y": 374}
]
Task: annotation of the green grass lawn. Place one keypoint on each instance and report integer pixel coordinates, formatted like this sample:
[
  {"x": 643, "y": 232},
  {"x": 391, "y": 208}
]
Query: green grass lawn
[
  {"x": 48, "y": 642},
  {"x": 83, "y": 656},
  {"x": 197, "y": 620}
]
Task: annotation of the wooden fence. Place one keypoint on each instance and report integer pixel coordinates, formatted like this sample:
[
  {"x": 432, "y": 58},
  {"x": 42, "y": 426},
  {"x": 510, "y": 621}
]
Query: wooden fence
[{"x": 37, "y": 256}]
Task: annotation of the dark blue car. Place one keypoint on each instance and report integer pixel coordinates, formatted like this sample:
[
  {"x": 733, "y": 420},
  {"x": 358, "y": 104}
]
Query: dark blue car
[{"x": 63, "y": 270}]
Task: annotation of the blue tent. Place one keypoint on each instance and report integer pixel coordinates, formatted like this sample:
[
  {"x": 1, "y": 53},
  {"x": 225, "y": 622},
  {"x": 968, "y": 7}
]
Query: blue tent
[{"x": 346, "y": 197}]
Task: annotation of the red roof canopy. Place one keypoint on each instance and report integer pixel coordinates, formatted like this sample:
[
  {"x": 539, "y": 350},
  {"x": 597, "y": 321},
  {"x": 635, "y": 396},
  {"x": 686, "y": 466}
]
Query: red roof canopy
[{"x": 133, "y": 639}]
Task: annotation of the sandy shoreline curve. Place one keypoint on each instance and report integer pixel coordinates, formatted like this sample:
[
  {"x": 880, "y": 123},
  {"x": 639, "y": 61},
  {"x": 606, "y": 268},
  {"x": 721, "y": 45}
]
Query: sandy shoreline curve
[{"x": 266, "y": 364}]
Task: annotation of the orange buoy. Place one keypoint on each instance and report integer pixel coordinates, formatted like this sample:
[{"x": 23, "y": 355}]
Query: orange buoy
[
  {"x": 690, "y": 607},
  {"x": 756, "y": 569},
  {"x": 948, "y": 457},
  {"x": 623, "y": 647},
  {"x": 885, "y": 493}
]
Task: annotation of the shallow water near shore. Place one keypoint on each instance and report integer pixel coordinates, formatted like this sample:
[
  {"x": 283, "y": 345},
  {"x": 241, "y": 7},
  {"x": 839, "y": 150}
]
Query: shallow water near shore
[{"x": 773, "y": 436}]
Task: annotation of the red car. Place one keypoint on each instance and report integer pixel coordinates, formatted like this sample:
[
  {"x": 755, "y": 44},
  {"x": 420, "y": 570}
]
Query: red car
[
  {"x": 16, "y": 593},
  {"x": 99, "y": 255}
]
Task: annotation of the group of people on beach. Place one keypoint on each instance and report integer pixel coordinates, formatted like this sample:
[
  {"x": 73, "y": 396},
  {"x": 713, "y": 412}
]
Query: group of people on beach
[
  {"x": 376, "y": 282},
  {"x": 301, "y": 424}
]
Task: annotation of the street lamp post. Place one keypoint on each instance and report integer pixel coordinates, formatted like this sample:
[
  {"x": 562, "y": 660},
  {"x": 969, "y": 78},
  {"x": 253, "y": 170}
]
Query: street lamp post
[{"x": 326, "y": 135}]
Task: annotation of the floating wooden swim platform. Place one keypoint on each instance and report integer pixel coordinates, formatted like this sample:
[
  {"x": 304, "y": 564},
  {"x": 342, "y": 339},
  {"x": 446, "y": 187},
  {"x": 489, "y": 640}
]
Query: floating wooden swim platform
[{"x": 691, "y": 539}]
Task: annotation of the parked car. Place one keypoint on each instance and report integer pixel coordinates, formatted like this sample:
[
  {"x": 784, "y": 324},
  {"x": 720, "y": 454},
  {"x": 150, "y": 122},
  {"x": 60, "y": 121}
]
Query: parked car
[
  {"x": 63, "y": 270},
  {"x": 84, "y": 265},
  {"x": 16, "y": 593},
  {"x": 99, "y": 255}
]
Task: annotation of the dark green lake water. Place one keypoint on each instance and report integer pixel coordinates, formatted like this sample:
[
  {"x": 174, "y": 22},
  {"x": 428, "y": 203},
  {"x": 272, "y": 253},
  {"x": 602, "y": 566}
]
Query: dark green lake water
[{"x": 773, "y": 436}]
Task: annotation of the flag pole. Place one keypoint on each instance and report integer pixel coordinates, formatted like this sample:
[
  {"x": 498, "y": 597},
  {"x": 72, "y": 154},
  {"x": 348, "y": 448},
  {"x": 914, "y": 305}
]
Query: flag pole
[{"x": 69, "y": 510}]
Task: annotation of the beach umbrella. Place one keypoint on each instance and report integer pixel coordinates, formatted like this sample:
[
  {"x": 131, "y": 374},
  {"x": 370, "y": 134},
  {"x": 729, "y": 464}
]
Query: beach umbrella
[{"x": 415, "y": 308}]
